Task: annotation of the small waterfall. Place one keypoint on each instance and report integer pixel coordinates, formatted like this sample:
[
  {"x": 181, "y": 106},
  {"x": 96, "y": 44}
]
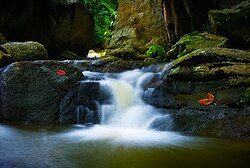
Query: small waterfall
[
  {"x": 126, "y": 117},
  {"x": 127, "y": 108},
  {"x": 78, "y": 115}
]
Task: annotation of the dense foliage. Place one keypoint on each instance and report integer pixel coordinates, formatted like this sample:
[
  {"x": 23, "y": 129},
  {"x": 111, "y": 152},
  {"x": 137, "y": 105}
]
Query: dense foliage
[
  {"x": 156, "y": 51},
  {"x": 104, "y": 12}
]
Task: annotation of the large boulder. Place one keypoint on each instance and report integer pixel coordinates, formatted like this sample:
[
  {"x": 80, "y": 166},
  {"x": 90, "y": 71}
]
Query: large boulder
[
  {"x": 233, "y": 23},
  {"x": 27, "y": 51},
  {"x": 193, "y": 41},
  {"x": 218, "y": 121},
  {"x": 82, "y": 104},
  {"x": 32, "y": 91},
  {"x": 222, "y": 72},
  {"x": 58, "y": 25},
  {"x": 139, "y": 25}
]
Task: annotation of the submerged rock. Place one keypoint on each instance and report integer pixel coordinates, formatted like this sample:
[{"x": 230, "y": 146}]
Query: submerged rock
[
  {"x": 233, "y": 23},
  {"x": 26, "y": 51},
  {"x": 32, "y": 91},
  {"x": 163, "y": 123}
]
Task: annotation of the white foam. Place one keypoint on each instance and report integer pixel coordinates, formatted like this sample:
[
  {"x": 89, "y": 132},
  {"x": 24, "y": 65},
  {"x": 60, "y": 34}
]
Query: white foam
[{"x": 127, "y": 136}]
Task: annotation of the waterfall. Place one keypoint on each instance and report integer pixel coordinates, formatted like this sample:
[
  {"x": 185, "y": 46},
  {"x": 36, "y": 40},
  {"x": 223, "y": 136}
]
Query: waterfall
[
  {"x": 127, "y": 109},
  {"x": 126, "y": 118}
]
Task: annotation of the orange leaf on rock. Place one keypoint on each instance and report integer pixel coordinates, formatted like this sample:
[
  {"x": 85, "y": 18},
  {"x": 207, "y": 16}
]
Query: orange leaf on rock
[
  {"x": 60, "y": 72},
  {"x": 205, "y": 102},
  {"x": 208, "y": 100},
  {"x": 210, "y": 96}
]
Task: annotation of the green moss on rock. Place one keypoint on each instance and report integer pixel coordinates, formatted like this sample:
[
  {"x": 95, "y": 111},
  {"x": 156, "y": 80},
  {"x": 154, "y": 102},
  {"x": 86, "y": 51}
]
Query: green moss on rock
[
  {"x": 193, "y": 41},
  {"x": 5, "y": 57},
  {"x": 212, "y": 55},
  {"x": 156, "y": 51},
  {"x": 150, "y": 61},
  {"x": 27, "y": 51}
]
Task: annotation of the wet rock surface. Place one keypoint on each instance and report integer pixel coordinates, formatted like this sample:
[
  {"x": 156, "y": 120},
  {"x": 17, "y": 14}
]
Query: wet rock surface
[
  {"x": 217, "y": 121},
  {"x": 193, "y": 41},
  {"x": 82, "y": 104},
  {"x": 220, "y": 71},
  {"x": 26, "y": 51},
  {"x": 32, "y": 91},
  {"x": 233, "y": 23}
]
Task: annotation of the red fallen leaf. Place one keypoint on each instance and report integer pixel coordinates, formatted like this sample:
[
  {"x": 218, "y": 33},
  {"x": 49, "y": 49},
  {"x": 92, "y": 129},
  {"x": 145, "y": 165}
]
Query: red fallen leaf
[
  {"x": 208, "y": 100},
  {"x": 205, "y": 102},
  {"x": 60, "y": 72},
  {"x": 210, "y": 96}
]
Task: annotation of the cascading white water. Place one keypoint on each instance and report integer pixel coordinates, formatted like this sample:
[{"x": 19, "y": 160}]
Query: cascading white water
[
  {"x": 127, "y": 109},
  {"x": 127, "y": 118}
]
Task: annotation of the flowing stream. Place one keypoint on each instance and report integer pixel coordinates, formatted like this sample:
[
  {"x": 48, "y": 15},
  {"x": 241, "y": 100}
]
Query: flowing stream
[
  {"x": 127, "y": 119},
  {"x": 131, "y": 133}
]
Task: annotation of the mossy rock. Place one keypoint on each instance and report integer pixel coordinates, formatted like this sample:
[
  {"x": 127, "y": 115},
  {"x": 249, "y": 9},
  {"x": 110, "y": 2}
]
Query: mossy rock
[
  {"x": 232, "y": 23},
  {"x": 215, "y": 121},
  {"x": 210, "y": 71},
  {"x": 156, "y": 51},
  {"x": 5, "y": 57},
  {"x": 150, "y": 61},
  {"x": 233, "y": 97},
  {"x": 104, "y": 60},
  {"x": 122, "y": 65},
  {"x": 212, "y": 55},
  {"x": 193, "y": 41},
  {"x": 32, "y": 91},
  {"x": 26, "y": 51},
  {"x": 126, "y": 53}
]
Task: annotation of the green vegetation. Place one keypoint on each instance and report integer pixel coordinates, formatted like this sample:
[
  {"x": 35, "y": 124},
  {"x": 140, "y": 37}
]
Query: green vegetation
[
  {"x": 156, "y": 51},
  {"x": 104, "y": 12}
]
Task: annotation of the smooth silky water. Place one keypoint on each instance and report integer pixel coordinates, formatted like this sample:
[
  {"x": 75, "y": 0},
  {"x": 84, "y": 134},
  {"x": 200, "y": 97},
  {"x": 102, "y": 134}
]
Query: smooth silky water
[{"x": 124, "y": 137}]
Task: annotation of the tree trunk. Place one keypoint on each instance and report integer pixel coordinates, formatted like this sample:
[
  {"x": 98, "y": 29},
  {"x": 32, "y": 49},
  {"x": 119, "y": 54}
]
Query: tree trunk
[{"x": 184, "y": 16}]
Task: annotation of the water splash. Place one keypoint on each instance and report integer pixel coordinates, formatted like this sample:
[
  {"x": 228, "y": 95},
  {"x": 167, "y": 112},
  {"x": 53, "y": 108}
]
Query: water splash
[{"x": 127, "y": 119}]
